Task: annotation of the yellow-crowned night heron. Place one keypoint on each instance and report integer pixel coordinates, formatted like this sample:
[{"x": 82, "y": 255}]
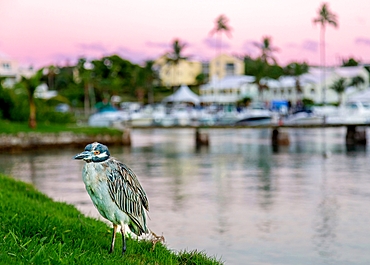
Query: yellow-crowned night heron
[{"x": 115, "y": 191}]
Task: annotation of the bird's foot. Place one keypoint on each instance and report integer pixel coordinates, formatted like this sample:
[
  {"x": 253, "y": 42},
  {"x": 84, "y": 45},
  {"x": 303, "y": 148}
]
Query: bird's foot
[{"x": 155, "y": 239}]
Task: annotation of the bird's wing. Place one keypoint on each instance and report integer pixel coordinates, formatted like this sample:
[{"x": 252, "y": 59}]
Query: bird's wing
[{"x": 126, "y": 191}]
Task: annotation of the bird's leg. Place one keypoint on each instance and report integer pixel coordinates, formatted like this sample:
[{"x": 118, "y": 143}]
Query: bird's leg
[
  {"x": 113, "y": 238},
  {"x": 123, "y": 239}
]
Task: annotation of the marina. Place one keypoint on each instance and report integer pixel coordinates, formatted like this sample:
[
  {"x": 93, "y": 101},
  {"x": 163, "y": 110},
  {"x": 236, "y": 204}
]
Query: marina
[
  {"x": 250, "y": 142},
  {"x": 240, "y": 198}
]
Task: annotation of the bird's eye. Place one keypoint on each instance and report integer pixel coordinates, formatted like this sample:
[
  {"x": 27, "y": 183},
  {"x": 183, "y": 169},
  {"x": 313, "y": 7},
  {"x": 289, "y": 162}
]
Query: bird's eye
[{"x": 96, "y": 153}]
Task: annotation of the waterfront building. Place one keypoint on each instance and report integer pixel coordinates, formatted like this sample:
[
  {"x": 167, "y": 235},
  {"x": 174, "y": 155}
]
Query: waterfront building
[
  {"x": 12, "y": 71},
  {"x": 313, "y": 84},
  {"x": 225, "y": 65},
  {"x": 229, "y": 89},
  {"x": 228, "y": 84},
  {"x": 185, "y": 72}
]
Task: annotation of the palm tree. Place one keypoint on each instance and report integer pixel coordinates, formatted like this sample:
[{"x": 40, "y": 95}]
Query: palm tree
[
  {"x": 325, "y": 17},
  {"x": 267, "y": 50},
  {"x": 297, "y": 69},
  {"x": 339, "y": 86},
  {"x": 258, "y": 68},
  {"x": 221, "y": 25},
  {"x": 84, "y": 68},
  {"x": 150, "y": 79},
  {"x": 30, "y": 84},
  {"x": 262, "y": 71},
  {"x": 357, "y": 81},
  {"x": 174, "y": 57},
  {"x": 349, "y": 62}
]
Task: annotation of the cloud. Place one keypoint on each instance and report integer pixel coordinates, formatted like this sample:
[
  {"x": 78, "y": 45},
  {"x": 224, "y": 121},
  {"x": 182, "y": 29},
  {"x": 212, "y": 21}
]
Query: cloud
[
  {"x": 215, "y": 43},
  {"x": 250, "y": 48},
  {"x": 310, "y": 45},
  {"x": 161, "y": 45},
  {"x": 133, "y": 55},
  {"x": 4, "y": 55},
  {"x": 98, "y": 47},
  {"x": 363, "y": 41},
  {"x": 93, "y": 52},
  {"x": 64, "y": 59},
  {"x": 306, "y": 45}
]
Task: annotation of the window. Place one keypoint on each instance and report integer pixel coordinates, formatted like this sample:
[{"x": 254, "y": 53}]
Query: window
[
  {"x": 6, "y": 66},
  {"x": 230, "y": 69},
  {"x": 205, "y": 68}
]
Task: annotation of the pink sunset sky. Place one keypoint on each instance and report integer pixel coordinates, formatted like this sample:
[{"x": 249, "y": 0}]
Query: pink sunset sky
[{"x": 44, "y": 32}]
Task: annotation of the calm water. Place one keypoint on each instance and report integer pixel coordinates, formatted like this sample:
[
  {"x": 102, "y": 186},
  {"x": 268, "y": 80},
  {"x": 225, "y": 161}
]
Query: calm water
[{"x": 238, "y": 199}]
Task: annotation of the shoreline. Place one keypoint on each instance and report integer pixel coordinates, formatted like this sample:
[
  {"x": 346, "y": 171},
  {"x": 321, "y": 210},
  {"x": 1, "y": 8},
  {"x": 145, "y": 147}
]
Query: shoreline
[
  {"x": 37, "y": 140},
  {"x": 36, "y": 229}
]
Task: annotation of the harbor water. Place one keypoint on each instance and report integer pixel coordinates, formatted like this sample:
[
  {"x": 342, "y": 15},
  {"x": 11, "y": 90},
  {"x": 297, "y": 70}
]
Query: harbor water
[{"x": 239, "y": 199}]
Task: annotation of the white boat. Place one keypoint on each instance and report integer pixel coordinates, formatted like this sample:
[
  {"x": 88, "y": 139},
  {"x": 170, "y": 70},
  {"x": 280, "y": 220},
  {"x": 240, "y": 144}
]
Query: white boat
[
  {"x": 107, "y": 118},
  {"x": 351, "y": 113},
  {"x": 254, "y": 115},
  {"x": 303, "y": 117},
  {"x": 182, "y": 115},
  {"x": 142, "y": 117},
  {"x": 206, "y": 117},
  {"x": 161, "y": 116}
]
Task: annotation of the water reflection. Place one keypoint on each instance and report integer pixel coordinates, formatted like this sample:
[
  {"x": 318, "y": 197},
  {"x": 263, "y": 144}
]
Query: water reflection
[
  {"x": 239, "y": 198},
  {"x": 325, "y": 222}
]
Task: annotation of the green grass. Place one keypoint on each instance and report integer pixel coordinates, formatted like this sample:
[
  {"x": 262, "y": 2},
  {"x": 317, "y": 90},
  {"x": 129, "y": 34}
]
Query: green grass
[
  {"x": 36, "y": 230},
  {"x": 16, "y": 127}
]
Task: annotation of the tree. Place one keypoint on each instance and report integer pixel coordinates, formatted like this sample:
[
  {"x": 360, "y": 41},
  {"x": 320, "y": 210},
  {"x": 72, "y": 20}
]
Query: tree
[
  {"x": 267, "y": 50},
  {"x": 30, "y": 84},
  {"x": 325, "y": 17},
  {"x": 339, "y": 86},
  {"x": 349, "y": 62},
  {"x": 201, "y": 79},
  {"x": 146, "y": 79},
  {"x": 357, "y": 81},
  {"x": 261, "y": 70},
  {"x": 257, "y": 68},
  {"x": 221, "y": 26},
  {"x": 85, "y": 73},
  {"x": 174, "y": 57},
  {"x": 151, "y": 79},
  {"x": 296, "y": 69},
  {"x": 6, "y": 101}
]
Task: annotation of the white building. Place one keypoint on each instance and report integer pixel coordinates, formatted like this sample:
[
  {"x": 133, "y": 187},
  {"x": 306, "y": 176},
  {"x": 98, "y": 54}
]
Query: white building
[
  {"x": 42, "y": 91},
  {"x": 12, "y": 71},
  {"x": 233, "y": 88},
  {"x": 229, "y": 89}
]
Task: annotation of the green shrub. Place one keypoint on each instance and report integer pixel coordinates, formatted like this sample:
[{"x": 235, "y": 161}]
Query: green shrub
[
  {"x": 6, "y": 103},
  {"x": 49, "y": 115}
]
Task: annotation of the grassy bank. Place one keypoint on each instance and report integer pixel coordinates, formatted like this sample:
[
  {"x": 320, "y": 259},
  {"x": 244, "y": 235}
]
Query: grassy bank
[
  {"x": 16, "y": 127},
  {"x": 36, "y": 230}
]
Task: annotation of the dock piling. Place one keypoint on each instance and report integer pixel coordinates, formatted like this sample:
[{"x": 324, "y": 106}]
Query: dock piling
[
  {"x": 355, "y": 135},
  {"x": 201, "y": 139},
  {"x": 126, "y": 137},
  {"x": 279, "y": 138}
]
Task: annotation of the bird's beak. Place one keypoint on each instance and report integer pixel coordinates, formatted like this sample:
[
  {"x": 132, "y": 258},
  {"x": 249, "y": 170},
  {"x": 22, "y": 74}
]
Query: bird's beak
[{"x": 85, "y": 155}]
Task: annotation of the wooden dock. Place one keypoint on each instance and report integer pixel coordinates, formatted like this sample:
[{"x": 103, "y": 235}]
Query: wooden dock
[
  {"x": 356, "y": 132},
  {"x": 260, "y": 126}
]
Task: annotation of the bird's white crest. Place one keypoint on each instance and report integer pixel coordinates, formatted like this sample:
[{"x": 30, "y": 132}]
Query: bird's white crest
[{"x": 101, "y": 155}]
